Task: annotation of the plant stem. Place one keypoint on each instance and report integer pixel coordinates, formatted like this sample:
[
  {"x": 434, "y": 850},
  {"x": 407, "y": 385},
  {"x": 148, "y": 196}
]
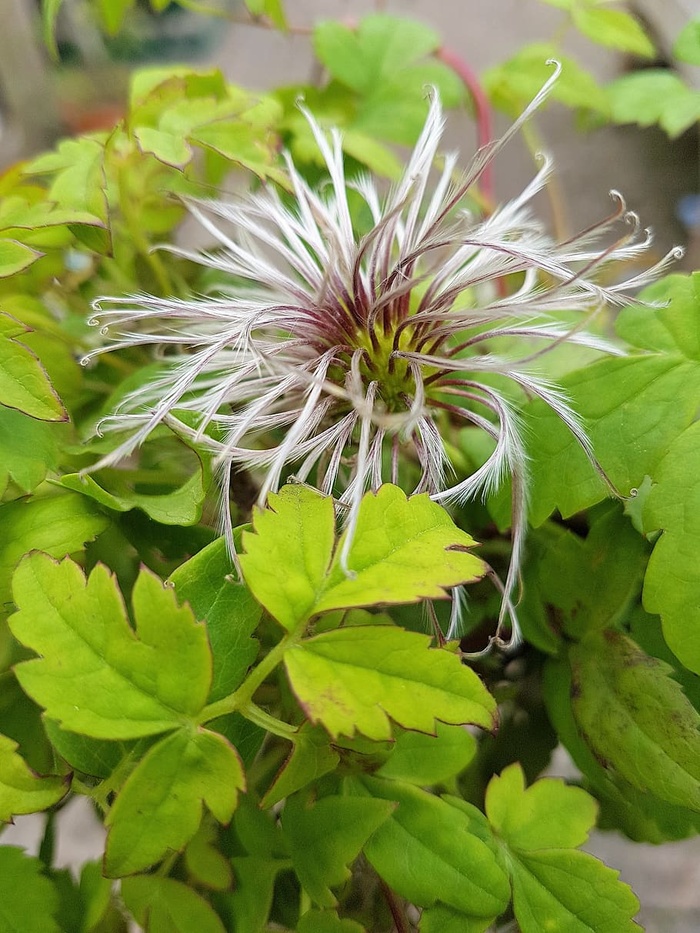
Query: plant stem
[
  {"x": 133, "y": 223},
  {"x": 269, "y": 723},
  {"x": 394, "y": 907},
  {"x": 241, "y": 698}
]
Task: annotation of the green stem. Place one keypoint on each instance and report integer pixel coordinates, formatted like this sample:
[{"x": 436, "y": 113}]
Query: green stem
[
  {"x": 241, "y": 699},
  {"x": 270, "y": 723}
]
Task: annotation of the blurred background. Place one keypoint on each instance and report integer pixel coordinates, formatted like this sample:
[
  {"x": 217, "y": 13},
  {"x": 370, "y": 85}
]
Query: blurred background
[{"x": 84, "y": 88}]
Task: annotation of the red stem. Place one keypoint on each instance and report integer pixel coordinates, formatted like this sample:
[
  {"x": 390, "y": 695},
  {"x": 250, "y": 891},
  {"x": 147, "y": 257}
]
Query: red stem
[{"x": 484, "y": 122}]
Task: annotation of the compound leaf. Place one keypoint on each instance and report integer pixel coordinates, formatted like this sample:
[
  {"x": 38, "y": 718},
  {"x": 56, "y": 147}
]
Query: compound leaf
[
  {"x": 97, "y": 676},
  {"x": 159, "y": 809},
  {"x": 403, "y": 550},
  {"x": 554, "y": 886},
  {"x": 429, "y": 851},
  {"x": 358, "y": 679}
]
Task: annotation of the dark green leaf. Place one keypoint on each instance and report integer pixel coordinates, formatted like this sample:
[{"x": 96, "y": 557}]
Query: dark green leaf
[
  {"x": 325, "y": 838},
  {"x": 91, "y": 756},
  {"x": 357, "y": 679},
  {"x": 230, "y": 612},
  {"x": 97, "y": 676},
  {"x": 183, "y": 506},
  {"x": 250, "y": 902},
  {"x": 160, "y": 807},
  {"x": 635, "y": 718}
]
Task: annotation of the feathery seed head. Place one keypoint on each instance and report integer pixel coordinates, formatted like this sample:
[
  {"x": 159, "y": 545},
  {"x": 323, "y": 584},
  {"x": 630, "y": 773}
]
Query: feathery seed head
[{"x": 334, "y": 352}]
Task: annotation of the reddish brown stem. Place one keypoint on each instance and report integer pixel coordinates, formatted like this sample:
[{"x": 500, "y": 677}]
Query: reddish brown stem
[
  {"x": 395, "y": 908},
  {"x": 482, "y": 108}
]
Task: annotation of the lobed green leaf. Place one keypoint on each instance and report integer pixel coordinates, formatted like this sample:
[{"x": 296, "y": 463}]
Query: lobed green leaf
[
  {"x": 358, "y": 679},
  {"x": 325, "y": 838},
  {"x": 166, "y": 904},
  {"x": 159, "y": 809},
  {"x": 97, "y": 676}
]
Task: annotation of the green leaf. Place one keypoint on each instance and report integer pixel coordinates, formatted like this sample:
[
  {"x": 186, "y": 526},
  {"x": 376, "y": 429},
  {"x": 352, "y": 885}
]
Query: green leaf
[
  {"x": 442, "y": 919},
  {"x": 403, "y": 550},
  {"x": 672, "y": 580},
  {"x": 325, "y": 921},
  {"x": 15, "y": 257},
  {"x": 97, "y": 676},
  {"x": 365, "y": 58},
  {"x": 273, "y": 9},
  {"x": 613, "y": 28},
  {"x": 22, "y": 791},
  {"x": 24, "y": 384},
  {"x": 641, "y": 816},
  {"x": 183, "y": 506},
  {"x": 91, "y": 756},
  {"x": 655, "y": 95},
  {"x": 163, "y": 904},
  {"x": 325, "y": 838},
  {"x": 633, "y": 407},
  {"x": 204, "y": 862},
  {"x": 166, "y": 147},
  {"x": 311, "y": 757},
  {"x": 430, "y": 851},
  {"x": 296, "y": 532},
  {"x": 559, "y": 597},
  {"x": 512, "y": 85},
  {"x": 57, "y": 525},
  {"x": 547, "y": 815},
  {"x": 49, "y": 14},
  {"x": 229, "y": 610},
  {"x": 554, "y": 886},
  {"x": 112, "y": 14},
  {"x": 635, "y": 718},
  {"x": 28, "y": 449},
  {"x": 429, "y": 759},
  {"x": 28, "y": 900},
  {"x": 159, "y": 809},
  {"x": 250, "y": 902},
  {"x": 78, "y": 181},
  {"x": 686, "y": 48},
  {"x": 359, "y": 679},
  {"x": 572, "y": 891}
]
